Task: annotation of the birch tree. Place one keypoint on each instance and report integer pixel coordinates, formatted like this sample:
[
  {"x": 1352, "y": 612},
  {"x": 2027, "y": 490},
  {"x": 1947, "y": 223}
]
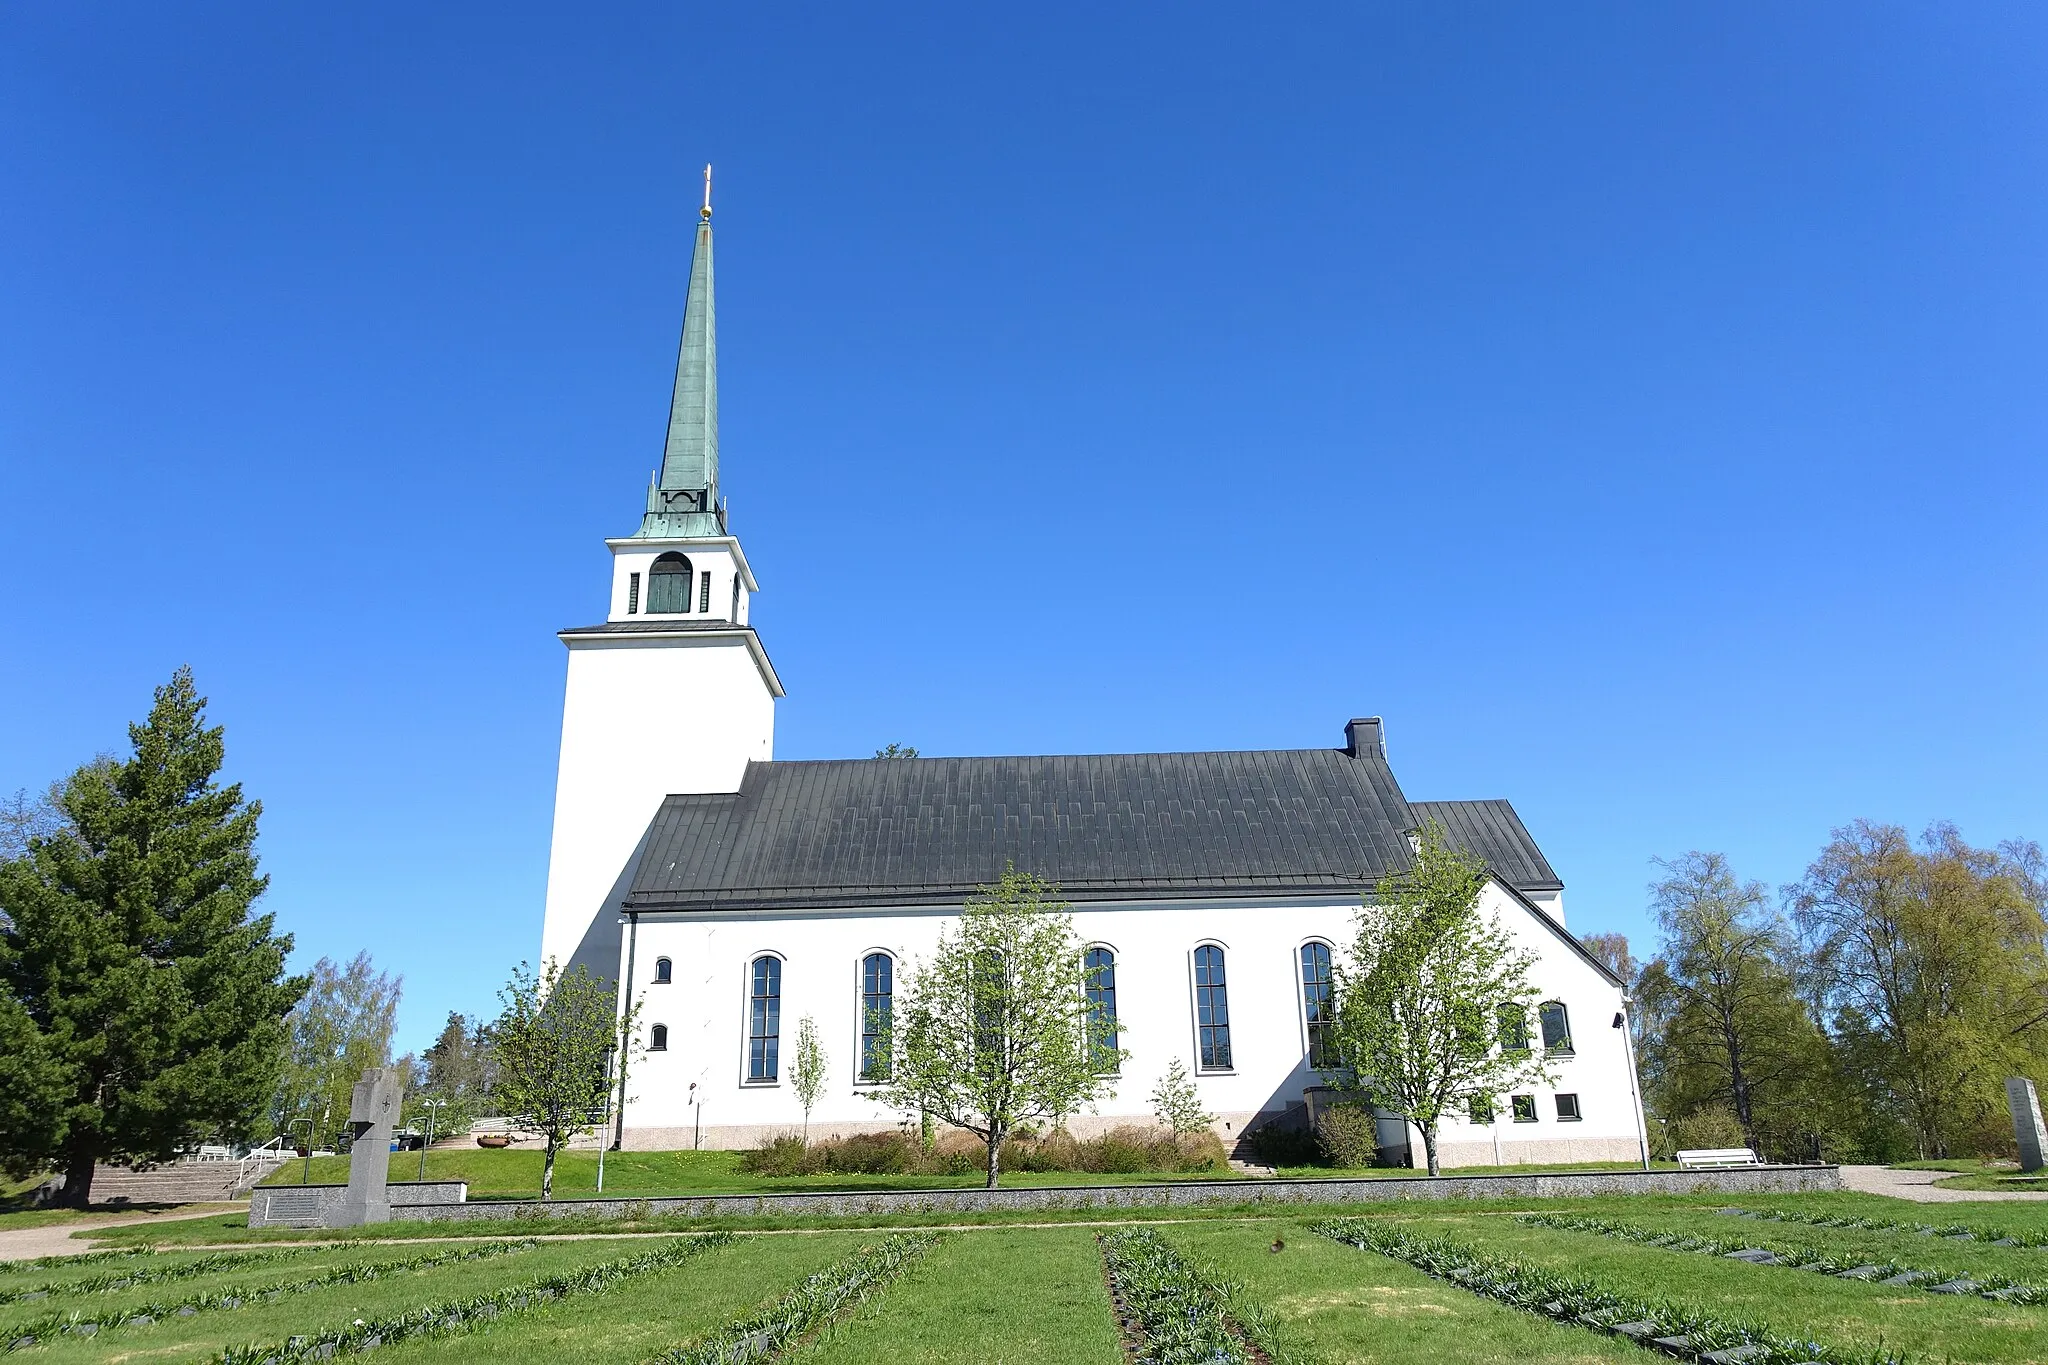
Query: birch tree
[
  {"x": 1422, "y": 1006},
  {"x": 994, "y": 1030},
  {"x": 554, "y": 1043}
]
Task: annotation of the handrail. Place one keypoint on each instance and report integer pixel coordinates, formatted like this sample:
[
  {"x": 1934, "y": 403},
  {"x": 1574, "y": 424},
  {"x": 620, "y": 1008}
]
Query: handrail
[{"x": 275, "y": 1148}]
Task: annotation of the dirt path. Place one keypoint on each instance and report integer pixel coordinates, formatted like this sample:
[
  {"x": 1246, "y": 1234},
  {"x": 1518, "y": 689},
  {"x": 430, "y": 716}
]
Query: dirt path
[
  {"x": 1919, "y": 1186},
  {"x": 55, "y": 1239}
]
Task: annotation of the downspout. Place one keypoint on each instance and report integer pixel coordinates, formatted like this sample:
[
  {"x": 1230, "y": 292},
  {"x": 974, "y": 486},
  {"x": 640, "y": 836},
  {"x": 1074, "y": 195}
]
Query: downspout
[
  {"x": 618, "y": 1142},
  {"x": 1628, "y": 1043}
]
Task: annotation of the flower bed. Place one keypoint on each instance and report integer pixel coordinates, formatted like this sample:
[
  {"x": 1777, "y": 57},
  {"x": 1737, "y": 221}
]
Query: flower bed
[
  {"x": 1171, "y": 1315},
  {"x": 1955, "y": 1232},
  {"x": 112, "y": 1280},
  {"x": 77, "y": 1258},
  {"x": 142, "y": 1314},
  {"x": 1676, "y": 1329},
  {"x": 820, "y": 1297},
  {"x": 461, "y": 1314},
  {"x": 1887, "y": 1272}
]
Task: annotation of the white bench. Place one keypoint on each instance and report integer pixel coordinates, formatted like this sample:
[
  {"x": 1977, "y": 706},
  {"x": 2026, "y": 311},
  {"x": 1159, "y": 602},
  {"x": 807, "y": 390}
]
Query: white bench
[{"x": 1708, "y": 1157}]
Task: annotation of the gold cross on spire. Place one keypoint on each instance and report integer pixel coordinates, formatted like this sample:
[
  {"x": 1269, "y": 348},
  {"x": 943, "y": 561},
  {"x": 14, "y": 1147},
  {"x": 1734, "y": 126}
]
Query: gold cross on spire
[{"x": 707, "y": 193}]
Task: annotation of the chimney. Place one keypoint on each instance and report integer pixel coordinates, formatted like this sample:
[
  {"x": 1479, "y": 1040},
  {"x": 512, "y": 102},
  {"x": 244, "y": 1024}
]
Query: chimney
[{"x": 1364, "y": 736}]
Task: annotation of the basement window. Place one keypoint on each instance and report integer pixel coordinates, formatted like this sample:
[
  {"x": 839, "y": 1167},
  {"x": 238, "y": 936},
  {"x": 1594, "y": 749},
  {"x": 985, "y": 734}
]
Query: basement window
[
  {"x": 1524, "y": 1107},
  {"x": 1568, "y": 1108}
]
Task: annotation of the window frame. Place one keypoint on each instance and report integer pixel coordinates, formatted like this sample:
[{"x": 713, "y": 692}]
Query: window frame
[
  {"x": 704, "y": 593},
  {"x": 1195, "y": 999},
  {"x": 664, "y": 972},
  {"x": 1089, "y": 992},
  {"x": 1329, "y": 985},
  {"x": 747, "y": 1078},
  {"x": 1564, "y": 1048},
  {"x": 1517, "y": 1103},
  {"x": 1476, "y": 1104},
  {"x": 1520, "y": 1012},
  {"x": 632, "y": 594},
  {"x": 861, "y": 1079},
  {"x": 1578, "y": 1113},
  {"x": 657, "y": 1037}
]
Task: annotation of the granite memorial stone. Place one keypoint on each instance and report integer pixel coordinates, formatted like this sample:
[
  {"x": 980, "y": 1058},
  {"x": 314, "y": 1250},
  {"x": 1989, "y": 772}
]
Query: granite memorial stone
[
  {"x": 372, "y": 1110},
  {"x": 2026, "y": 1121}
]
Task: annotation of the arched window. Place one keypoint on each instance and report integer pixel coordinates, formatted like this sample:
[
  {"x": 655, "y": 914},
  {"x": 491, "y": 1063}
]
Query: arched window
[
  {"x": 669, "y": 584},
  {"x": 1212, "y": 1009},
  {"x": 877, "y": 999},
  {"x": 764, "y": 1019},
  {"x": 657, "y": 1038},
  {"x": 1513, "y": 1022},
  {"x": 662, "y": 971},
  {"x": 1098, "y": 965},
  {"x": 1317, "y": 986},
  {"x": 1557, "y": 1026}
]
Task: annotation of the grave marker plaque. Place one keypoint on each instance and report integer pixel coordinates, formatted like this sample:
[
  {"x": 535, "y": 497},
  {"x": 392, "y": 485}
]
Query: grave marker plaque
[
  {"x": 372, "y": 1110},
  {"x": 2026, "y": 1121}
]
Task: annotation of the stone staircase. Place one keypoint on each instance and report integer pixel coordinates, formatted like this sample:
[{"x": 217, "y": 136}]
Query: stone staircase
[{"x": 180, "y": 1182}]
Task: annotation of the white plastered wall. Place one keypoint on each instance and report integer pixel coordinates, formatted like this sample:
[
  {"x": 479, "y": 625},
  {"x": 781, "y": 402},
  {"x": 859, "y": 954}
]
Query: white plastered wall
[
  {"x": 704, "y": 1008},
  {"x": 641, "y": 719}
]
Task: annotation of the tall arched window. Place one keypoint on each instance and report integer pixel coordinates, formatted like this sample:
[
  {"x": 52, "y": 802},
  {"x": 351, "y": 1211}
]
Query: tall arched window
[
  {"x": 1557, "y": 1026},
  {"x": 669, "y": 584},
  {"x": 764, "y": 1019},
  {"x": 1316, "y": 988},
  {"x": 663, "y": 971},
  {"x": 657, "y": 1038},
  {"x": 1098, "y": 965},
  {"x": 877, "y": 1000},
  {"x": 1212, "y": 1009},
  {"x": 1513, "y": 1023}
]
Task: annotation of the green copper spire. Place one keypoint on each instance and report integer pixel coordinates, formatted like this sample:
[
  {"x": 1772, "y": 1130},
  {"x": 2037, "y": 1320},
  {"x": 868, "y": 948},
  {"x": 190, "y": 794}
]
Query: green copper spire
[{"x": 683, "y": 500}]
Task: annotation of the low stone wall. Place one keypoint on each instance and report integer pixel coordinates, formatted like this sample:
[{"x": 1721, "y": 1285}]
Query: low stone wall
[
  {"x": 310, "y": 1206},
  {"x": 1181, "y": 1194}
]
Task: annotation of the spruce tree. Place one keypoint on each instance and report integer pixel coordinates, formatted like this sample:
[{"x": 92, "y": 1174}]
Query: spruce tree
[{"x": 141, "y": 1004}]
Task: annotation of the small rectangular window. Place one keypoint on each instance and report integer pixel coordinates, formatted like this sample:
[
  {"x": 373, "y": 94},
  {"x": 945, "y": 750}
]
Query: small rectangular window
[
  {"x": 1525, "y": 1108},
  {"x": 1568, "y": 1108},
  {"x": 1479, "y": 1108},
  {"x": 632, "y": 594},
  {"x": 704, "y": 591}
]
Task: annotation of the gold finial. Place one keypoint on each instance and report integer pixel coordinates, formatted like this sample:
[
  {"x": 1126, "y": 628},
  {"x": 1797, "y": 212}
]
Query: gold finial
[{"x": 707, "y": 193}]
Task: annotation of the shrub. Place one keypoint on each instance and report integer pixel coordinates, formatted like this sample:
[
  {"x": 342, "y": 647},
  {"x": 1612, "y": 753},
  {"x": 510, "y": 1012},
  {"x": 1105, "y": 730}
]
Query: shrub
[
  {"x": 1127, "y": 1150},
  {"x": 1284, "y": 1144},
  {"x": 1707, "y": 1129},
  {"x": 1348, "y": 1135}
]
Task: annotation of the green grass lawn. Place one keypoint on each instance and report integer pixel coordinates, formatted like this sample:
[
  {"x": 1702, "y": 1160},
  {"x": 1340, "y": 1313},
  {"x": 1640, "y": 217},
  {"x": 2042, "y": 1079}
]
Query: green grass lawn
[
  {"x": 1003, "y": 1293},
  {"x": 513, "y": 1173}
]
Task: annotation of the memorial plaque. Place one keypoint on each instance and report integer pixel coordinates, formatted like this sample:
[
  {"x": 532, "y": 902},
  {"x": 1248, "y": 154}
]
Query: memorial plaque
[
  {"x": 2026, "y": 1121},
  {"x": 372, "y": 1111}
]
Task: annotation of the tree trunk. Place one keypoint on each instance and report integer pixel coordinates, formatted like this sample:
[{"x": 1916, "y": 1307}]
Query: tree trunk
[
  {"x": 78, "y": 1165},
  {"x": 1429, "y": 1146},
  {"x": 547, "y": 1171},
  {"x": 995, "y": 1160}
]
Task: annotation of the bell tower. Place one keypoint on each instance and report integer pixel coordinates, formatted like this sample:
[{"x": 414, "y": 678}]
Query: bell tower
[{"x": 673, "y": 692}]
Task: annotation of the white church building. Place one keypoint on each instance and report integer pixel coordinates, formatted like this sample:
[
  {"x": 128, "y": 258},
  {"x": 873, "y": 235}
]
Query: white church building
[{"x": 736, "y": 894}]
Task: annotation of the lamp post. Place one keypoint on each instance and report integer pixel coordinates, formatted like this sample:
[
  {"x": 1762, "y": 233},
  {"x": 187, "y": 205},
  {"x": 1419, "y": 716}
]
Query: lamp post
[
  {"x": 431, "y": 1106},
  {"x": 305, "y": 1171}
]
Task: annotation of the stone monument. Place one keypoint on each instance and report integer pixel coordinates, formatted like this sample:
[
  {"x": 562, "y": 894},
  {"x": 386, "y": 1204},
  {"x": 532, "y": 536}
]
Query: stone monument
[
  {"x": 372, "y": 1111},
  {"x": 2026, "y": 1121}
]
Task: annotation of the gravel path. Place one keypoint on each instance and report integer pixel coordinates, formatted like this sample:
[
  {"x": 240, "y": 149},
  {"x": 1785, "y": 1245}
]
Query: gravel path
[
  {"x": 1919, "y": 1186},
  {"x": 26, "y": 1244}
]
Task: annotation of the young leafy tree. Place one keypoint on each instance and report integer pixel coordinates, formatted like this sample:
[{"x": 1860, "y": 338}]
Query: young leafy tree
[
  {"x": 554, "y": 1043},
  {"x": 807, "y": 1069},
  {"x": 141, "y": 1004},
  {"x": 1730, "y": 1028},
  {"x": 893, "y": 750},
  {"x": 1418, "y": 1008},
  {"x": 1176, "y": 1104},
  {"x": 341, "y": 1027},
  {"x": 1930, "y": 960},
  {"x": 994, "y": 1030}
]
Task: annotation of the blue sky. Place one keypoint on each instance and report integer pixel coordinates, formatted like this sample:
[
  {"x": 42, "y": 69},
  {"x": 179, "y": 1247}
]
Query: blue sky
[{"x": 1641, "y": 407}]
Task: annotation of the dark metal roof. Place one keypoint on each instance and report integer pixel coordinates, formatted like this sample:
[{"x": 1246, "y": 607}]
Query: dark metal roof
[
  {"x": 1100, "y": 826},
  {"x": 1492, "y": 830}
]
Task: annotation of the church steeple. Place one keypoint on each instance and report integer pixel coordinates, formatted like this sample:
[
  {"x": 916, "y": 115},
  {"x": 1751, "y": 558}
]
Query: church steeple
[{"x": 683, "y": 499}]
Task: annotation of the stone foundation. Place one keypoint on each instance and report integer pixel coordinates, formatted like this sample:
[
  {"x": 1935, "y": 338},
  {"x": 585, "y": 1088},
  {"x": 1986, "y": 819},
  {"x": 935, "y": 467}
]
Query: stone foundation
[{"x": 316, "y": 1206}]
